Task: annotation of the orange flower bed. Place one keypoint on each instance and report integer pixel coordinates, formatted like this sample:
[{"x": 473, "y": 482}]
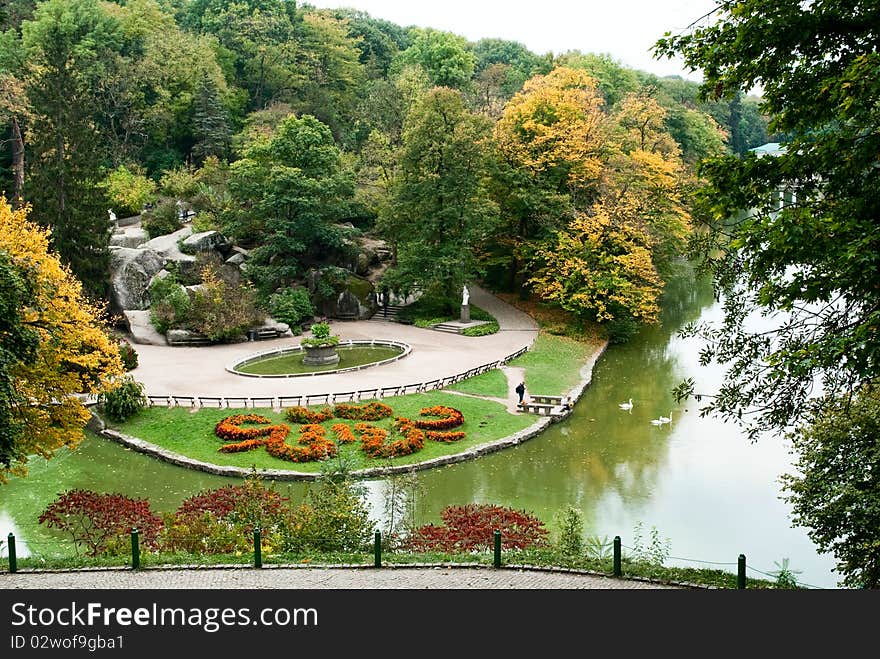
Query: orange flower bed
[
  {"x": 368, "y": 412},
  {"x": 313, "y": 444},
  {"x": 451, "y": 418}
]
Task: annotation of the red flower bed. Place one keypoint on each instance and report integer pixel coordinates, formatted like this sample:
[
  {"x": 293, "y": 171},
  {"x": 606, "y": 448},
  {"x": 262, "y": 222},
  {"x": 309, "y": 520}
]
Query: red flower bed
[
  {"x": 373, "y": 441},
  {"x": 368, "y": 412},
  {"x": 472, "y": 528},
  {"x": 451, "y": 418}
]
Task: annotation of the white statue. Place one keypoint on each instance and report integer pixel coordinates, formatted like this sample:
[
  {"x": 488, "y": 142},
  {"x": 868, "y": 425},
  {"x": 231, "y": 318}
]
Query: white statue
[
  {"x": 112, "y": 215},
  {"x": 465, "y": 296}
]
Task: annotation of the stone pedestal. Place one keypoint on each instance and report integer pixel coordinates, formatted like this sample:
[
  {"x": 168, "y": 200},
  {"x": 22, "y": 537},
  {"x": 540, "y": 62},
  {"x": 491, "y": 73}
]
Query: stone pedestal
[
  {"x": 465, "y": 313},
  {"x": 320, "y": 355}
]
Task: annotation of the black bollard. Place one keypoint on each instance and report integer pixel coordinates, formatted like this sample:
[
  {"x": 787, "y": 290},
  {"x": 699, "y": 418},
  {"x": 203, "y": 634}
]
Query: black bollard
[
  {"x": 258, "y": 550},
  {"x": 135, "y": 550},
  {"x": 497, "y": 548},
  {"x": 741, "y": 572},
  {"x": 377, "y": 549},
  {"x": 13, "y": 564},
  {"x": 617, "y": 570}
]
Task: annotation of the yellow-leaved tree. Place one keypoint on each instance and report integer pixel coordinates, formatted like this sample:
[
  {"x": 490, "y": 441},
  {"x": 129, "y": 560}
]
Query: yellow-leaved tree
[{"x": 74, "y": 355}]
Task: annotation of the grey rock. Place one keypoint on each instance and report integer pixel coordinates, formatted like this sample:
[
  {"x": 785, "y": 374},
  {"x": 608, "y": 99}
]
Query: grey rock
[
  {"x": 167, "y": 246},
  {"x": 131, "y": 271},
  {"x": 142, "y": 330},
  {"x": 129, "y": 237},
  {"x": 204, "y": 242},
  {"x": 236, "y": 259}
]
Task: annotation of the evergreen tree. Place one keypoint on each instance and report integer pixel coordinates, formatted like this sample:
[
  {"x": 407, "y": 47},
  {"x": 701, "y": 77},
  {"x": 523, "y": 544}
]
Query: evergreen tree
[{"x": 210, "y": 122}]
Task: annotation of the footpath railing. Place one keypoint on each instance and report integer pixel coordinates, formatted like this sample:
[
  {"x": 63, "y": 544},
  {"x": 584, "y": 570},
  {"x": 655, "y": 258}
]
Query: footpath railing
[
  {"x": 328, "y": 398},
  {"x": 617, "y": 559}
]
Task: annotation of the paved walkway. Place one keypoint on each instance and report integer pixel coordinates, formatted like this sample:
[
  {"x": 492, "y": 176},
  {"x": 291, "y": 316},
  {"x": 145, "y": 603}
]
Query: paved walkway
[
  {"x": 200, "y": 371},
  {"x": 392, "y": 577}
]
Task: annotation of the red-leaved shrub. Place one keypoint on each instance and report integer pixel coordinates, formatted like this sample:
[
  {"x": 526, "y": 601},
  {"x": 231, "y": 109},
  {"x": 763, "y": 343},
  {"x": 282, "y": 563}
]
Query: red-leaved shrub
[{"x": 472, "y": 528}]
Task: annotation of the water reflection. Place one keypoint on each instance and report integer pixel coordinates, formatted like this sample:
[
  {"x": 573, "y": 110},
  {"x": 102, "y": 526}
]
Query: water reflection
[{"x": 697, "y": 480}]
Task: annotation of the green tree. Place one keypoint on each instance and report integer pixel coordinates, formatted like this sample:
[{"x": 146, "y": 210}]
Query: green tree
[
  {"x": 68, "y": 45},
  {"x": 835, "y": 492},
  {"x": 293, "y": 191},
  {"x": 441, "y": 209},
  {"x": 443, "y": 55},
  {"x": 210, "y": 122},
  {"x": 806, "y": 249}
]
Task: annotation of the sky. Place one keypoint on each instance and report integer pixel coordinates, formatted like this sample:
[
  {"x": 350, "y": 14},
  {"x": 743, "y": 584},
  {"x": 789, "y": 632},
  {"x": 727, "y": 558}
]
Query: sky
[{"x": 624, "y": 29}]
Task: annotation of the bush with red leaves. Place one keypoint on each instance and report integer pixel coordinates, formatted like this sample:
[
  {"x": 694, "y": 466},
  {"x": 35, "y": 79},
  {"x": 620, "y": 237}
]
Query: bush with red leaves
[
  {"x": 102, "y": 522},
  {"x": 472, "y": 528}
]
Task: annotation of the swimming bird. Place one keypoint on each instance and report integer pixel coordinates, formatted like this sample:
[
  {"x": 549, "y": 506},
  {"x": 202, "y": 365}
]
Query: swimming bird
[
  {"x": 666, "y": 419},
  {"x": 657, "y": 422},
  {"x": 626, "y": 406}
]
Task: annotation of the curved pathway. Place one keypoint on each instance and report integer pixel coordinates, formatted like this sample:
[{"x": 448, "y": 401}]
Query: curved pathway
[{"x": 201, "y": 371}]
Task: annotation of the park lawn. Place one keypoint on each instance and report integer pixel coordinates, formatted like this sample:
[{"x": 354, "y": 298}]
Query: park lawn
[
  {"x": 191, "y": 432},
  {"x": 553, "y": 364},
  {"x": 493, "y": 383}
]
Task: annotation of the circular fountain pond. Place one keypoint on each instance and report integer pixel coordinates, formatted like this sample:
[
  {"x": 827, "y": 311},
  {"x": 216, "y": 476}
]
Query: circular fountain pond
[{"x": 288, "y": 362}]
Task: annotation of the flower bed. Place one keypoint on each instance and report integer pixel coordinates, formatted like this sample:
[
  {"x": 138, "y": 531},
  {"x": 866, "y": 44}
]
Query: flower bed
[{"x": 406, "y": 436}]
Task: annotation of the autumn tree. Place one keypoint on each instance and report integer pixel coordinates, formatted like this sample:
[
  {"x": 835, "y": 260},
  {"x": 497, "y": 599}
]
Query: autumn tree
[
  {"x": 440, "y": 208},
  {"x": 72, "y": 354}
]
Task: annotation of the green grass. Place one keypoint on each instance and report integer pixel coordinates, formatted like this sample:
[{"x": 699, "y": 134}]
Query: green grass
[
  {"x": 293, "y": 362},
  {"x": 553, "y": 364},
  {"x": 493, "y": 384},
  {"x": 191, "y": 432}
]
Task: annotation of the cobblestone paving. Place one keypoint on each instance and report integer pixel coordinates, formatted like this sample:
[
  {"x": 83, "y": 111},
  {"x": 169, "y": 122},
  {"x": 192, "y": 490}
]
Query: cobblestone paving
[{"x": 407, "y": 578}]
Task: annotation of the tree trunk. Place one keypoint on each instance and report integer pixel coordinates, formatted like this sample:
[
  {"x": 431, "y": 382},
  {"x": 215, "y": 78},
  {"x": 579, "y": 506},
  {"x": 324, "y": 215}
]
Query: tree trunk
[{"x": 17, "y": 163}]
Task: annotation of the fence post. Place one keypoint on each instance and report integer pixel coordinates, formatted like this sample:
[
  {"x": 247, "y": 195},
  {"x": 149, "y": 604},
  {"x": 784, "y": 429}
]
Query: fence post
[
  {"x": 617, "y": 570},
  {"x": 497, "y": 548},
  {"x": 135, "y": 550},
  {"x": 13, "y": 564},
  {"x": 258, "y": 550},
  {"x": 377, "y": 549},
  {"x": 741, "y": 572}
]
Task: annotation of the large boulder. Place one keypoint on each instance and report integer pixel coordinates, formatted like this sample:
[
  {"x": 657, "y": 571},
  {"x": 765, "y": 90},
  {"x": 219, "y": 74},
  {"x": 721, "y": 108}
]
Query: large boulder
[
  {"x": 142, "y": 330},
  {"x": 205, "y": 242},
  {"x": 168, "y": 247},
  {"x": 129, "y": 237},
  {"x": 131, "y": 271}
]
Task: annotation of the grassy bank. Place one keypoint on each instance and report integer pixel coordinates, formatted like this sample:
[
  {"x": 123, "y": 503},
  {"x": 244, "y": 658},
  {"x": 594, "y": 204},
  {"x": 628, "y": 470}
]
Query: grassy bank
[{"x": 191, "y": 432}]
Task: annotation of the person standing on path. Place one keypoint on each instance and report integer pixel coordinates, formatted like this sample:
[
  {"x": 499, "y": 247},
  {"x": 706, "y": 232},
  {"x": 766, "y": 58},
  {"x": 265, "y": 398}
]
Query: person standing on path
[{"x": 521, "y": 391}]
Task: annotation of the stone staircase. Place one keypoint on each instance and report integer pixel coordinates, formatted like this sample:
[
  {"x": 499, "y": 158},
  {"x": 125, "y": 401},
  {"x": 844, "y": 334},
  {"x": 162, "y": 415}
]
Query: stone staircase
[
  {"x": 388, "y": 313},
  {"x": 446, "y": 327}
]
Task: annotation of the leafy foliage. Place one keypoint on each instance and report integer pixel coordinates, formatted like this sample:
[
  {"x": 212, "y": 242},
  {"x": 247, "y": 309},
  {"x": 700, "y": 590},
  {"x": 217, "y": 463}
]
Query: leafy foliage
[
  {"x": 169, "y": 304},
  {"x": 123, "y": 401},
  {"x": 102, "y": 522},
  {"x": 292, "y": 306},
  {"x": 222, "y": 310},
  {"x": 128, "y": 355},
  {"x": 835, "y": 489},
  {"x": 74, "y": 354},
  {"x": 162, "y": 219},
  {"x": 129, "y": 190},
  {"x": 471, "y": 527}
]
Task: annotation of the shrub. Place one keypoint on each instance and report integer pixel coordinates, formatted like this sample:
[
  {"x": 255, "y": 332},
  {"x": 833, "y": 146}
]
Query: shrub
[
  {"x": 102, "y": 522},
  {"x": 321, "y": 336},
  {"x": 333, "y": 517},
  {"x": 169, "y": 304},
  {"x": 224, "y": 519},
  {"x": 129, "y": 191},
  {"x": 128, "y": 354},
  {"x": 124, "y": 401},
  {"x": 481, "y": 330},
  {"x": 571, "y": 525},
  {"x": 472, "y": 527},
  {"x": 291, "y": 306},
  {"x": 222, "y": 310},
  {"x": 161, "y": 219}
]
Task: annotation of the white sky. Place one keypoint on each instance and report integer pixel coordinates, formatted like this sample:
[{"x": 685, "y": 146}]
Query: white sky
[{"x": 624, "y": 29}]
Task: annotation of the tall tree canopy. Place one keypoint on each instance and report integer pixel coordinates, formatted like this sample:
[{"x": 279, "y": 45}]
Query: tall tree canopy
[
  {"x": 53, "y": 346},
  {"x": 292, "y": 191},
  {"x": 441, "y": 208},
  {"x": 810, "y": 252}
]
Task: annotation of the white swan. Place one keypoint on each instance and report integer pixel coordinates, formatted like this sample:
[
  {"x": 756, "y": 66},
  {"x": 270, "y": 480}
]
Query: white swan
[
  {"x": 626, "y": 406},
  {"x": 666, "y": 419},
  {"x": 657, "y": 422}
]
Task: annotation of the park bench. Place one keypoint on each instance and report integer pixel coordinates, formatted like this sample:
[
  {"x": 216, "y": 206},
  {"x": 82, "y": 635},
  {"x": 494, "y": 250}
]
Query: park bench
[
  {"x": 547, "y": 409},
  {"x": 263, "y": 333},
  {"x": 554, "y": 400}
]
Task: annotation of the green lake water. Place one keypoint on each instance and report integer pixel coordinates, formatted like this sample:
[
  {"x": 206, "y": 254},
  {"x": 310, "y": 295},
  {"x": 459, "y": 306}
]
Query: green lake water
[{"x": 698, "y": 481}]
